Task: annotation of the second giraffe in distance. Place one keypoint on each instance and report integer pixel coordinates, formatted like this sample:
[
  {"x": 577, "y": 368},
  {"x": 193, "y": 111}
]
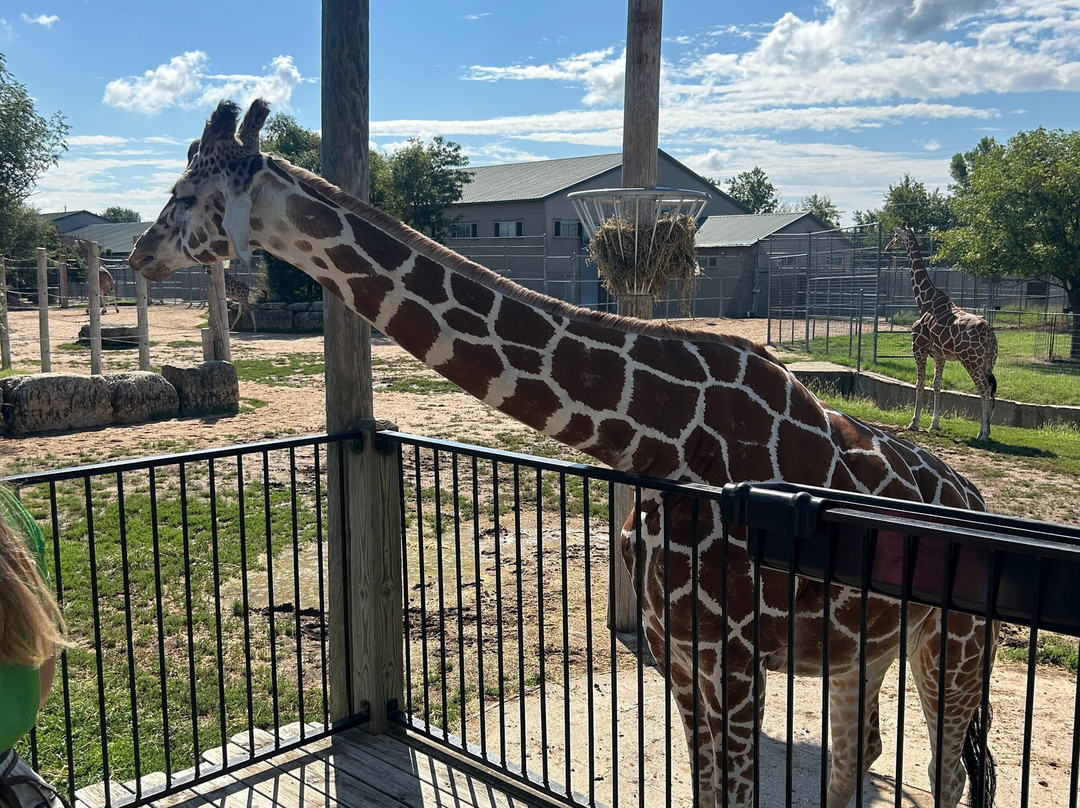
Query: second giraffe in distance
[
  {"x": 239, "y": 293},
  {"x": 945, "y": 331}
]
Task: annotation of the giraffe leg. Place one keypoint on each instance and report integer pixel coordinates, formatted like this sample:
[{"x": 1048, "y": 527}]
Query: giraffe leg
[
  {"x": 920, "y": 387},
  {"x": 845, "y": 776},
  {"x": 939, "y": 368},
  {"x": 950, "y": 697},
  {"x": 239, "y": 313}
]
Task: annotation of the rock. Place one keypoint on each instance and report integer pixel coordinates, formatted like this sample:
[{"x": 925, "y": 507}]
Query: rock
[
  {"x": 211, "y": 387},
  {"x": 113, "y": 336},
  {"x": 140, "y": 395},
  {"x": 43, "y": 402}
]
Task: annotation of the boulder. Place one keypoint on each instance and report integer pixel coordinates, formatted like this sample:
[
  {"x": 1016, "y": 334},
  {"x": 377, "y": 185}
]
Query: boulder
[
  {"x": 113, "y": 336},
  {"x": 211, "y": 387},
  {"x": 43, "y": 402},
  {"x": 140, "y": 395}
]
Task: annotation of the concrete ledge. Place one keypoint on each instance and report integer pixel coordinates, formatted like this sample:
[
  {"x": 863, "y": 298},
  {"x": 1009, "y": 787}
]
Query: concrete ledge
[{"x": 889, "y": 393}]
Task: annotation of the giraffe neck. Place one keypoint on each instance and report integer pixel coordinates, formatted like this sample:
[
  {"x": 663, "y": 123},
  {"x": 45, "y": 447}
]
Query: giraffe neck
[
  {"x": 920, "y": 279},
  {"x": 586, "y": 379}
]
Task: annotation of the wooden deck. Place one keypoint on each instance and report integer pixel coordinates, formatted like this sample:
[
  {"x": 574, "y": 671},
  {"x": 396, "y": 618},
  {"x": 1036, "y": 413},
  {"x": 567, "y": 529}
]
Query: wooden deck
[{"x": 351, "y": 769}]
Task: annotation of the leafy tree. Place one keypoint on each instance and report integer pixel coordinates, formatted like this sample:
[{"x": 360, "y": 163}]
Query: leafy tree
[
  {"x": 909, "y": 201},
  {"x": 119, "y": 215},
  {"x": 301, "y": 147},
  {"x": 29, "y": 146},
  {"x": 753, "y": 191},
  {"x": 424, "y": 179},
  {"x": 1017, "y": 208},
  {"x": 819, "y": 205}
]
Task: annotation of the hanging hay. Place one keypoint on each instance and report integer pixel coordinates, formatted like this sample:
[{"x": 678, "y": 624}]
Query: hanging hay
[{"x": 640, "y": 259}]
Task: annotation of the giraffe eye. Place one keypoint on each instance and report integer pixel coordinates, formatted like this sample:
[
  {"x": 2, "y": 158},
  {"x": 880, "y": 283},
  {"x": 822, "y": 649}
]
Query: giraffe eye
[{"x": 187, "y": 202}]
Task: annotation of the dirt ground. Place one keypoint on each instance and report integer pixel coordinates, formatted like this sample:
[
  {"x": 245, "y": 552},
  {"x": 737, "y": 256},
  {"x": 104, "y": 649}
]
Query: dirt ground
[{"x": 297, "y": 408}]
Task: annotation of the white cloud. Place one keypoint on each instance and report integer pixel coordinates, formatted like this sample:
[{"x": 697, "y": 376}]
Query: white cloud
[
  {"x": 479, "y": 16},
  {"x": 95, "y": 141},
  {"x": 184, "y": 82},
  {"x": 44, "y": 20}
]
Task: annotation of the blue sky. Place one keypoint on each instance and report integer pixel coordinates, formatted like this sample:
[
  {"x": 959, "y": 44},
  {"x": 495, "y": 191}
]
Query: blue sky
[{"x": 841, "y": 97}]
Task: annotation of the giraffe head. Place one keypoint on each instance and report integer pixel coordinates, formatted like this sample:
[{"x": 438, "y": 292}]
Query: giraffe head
[
  {"x": 208, "y": 213},
  {"x": 903, "y": 237}
]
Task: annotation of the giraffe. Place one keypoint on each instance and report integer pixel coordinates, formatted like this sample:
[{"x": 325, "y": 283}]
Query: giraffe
[
  {"x": 644, "y": 397},
  {"x": 945, "y": 331},
  {"x": 239, "y": 293}
]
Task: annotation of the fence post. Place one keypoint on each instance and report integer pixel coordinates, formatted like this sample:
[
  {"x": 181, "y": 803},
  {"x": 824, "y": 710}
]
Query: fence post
[
  {"x": 93, "y": 288},
  {"x": 43, "y": 310},
  {"x": 62, "y": 283},
  {"x": 877, "y": 293},
  {"x": 216, "y": 344},
  {"x": 5, "y": 335},
  {"x": 142, "y": 302}
]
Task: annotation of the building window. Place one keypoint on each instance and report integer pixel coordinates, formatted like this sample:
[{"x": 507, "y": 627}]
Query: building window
[
  {"x": 463, "y": 230},
  {"x": 707, "y": 261},
  {"x": 564, "y": 228},
  {"x": 507, "y": 229}
]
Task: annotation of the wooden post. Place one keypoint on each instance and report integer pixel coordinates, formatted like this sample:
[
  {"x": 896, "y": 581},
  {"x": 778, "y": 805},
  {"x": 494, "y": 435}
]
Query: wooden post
[
  {"x": 93, "y": 288},
  {"x": 363, "y": 524},
  {"x": 142, "y": 315},
  {"x": 43, "y": 310},
  {"x": 641, "y": 137},
  {"x": 5, "y": 334},
  {"x": 62, "y": 284},
  {"x": 216, "y": 344}
]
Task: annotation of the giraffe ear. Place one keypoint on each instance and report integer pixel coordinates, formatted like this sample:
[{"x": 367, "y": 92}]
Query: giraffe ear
[
  {"x": 237, "y": 224},
  {"x": 253, "y": 123}
]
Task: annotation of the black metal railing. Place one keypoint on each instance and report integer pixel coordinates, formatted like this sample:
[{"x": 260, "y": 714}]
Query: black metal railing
[{"x": 195, "y": 588}]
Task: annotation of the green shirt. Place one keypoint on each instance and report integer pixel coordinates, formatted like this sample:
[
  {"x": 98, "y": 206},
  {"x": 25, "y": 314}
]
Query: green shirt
[{"x": 20, "y": 685}]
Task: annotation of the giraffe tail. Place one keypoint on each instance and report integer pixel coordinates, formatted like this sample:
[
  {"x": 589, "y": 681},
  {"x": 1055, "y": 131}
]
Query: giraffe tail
[
  {"x": 990, "y": 377},
  {"x": 977, "y": 759}
]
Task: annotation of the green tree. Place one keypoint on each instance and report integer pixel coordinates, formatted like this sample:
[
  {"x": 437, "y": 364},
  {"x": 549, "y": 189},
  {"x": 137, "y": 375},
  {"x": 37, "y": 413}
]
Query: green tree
[
  {"x": 29, "y": 146},
  {"x": 1017, "y": 208},
  {"x": 424, "y": 179},
  {"x": 301, "y": 147},
  {"x": 822, "y": 206},
  {"x": 119, "y": 215},
  {"x": 909, "y": 201},
  {"x": 753, "y": 191}
]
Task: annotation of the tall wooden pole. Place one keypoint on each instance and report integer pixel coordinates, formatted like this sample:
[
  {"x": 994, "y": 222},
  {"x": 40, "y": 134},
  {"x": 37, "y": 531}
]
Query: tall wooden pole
[
  {"x": 641, "y": 139},
  {"x": 43, "y": 309},
  {"x": 93, "y": 294},
  {"x": 363, "y": 517},
  {"x": 142, "y": 316},
  {"x": 5, "y": 334}
]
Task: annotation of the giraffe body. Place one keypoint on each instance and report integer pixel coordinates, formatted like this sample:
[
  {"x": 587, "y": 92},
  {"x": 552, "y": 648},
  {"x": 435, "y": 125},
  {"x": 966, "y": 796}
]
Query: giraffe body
[
  {"x": 642, "y": 397},
  {"x": 239, "y": 293},
  {"x": 945, "y": 332},
  {"x": 106, "y": 282}
]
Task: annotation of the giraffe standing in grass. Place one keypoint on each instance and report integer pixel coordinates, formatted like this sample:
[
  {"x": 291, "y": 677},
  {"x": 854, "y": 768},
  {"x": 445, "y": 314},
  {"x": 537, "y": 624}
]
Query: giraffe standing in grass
[
  {"x": 945, "y": 331},
  {"x": 647, "y": 398}
]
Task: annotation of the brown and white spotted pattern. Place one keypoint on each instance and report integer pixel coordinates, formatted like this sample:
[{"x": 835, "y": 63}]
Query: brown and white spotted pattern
[
  {"x": 239, "y": 293},
  {"x": 945, "y": 331},
  {"x": 642, "y": 397}
]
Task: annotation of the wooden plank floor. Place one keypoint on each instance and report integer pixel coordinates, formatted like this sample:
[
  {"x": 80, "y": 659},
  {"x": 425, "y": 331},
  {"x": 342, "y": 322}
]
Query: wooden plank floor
[{"x": 353, "y": 768}]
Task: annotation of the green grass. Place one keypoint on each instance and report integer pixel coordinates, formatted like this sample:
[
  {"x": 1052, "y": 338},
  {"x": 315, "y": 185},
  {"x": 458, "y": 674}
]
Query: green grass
[
  {"x": 1053, "y": 447},
  {"x": 1020, "y": 377},
  {"x": 280, "y": 371}
]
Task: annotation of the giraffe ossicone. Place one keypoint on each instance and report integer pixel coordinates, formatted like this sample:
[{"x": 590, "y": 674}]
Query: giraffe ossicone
[
  {"x": 644, "y": 397},
  {"x": 945, "y": 331}
]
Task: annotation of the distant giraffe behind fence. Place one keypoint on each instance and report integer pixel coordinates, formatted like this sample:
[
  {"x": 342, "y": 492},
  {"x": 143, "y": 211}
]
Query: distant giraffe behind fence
[{"x": 239, "y": 293}]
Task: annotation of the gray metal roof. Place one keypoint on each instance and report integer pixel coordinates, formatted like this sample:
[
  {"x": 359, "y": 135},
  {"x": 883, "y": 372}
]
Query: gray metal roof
[
  {"x": 117, "y": 238},
  {"x": 517, "y": 182},
  {"x": 745, "y": 230}
]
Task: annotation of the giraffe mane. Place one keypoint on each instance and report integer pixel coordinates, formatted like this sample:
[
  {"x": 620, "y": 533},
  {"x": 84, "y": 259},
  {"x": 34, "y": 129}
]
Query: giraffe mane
[{"x": 447, "y": 257}]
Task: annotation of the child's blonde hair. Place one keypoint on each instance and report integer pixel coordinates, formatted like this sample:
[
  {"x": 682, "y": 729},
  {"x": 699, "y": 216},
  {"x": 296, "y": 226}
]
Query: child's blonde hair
[{"x": 31, "y": 623}]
